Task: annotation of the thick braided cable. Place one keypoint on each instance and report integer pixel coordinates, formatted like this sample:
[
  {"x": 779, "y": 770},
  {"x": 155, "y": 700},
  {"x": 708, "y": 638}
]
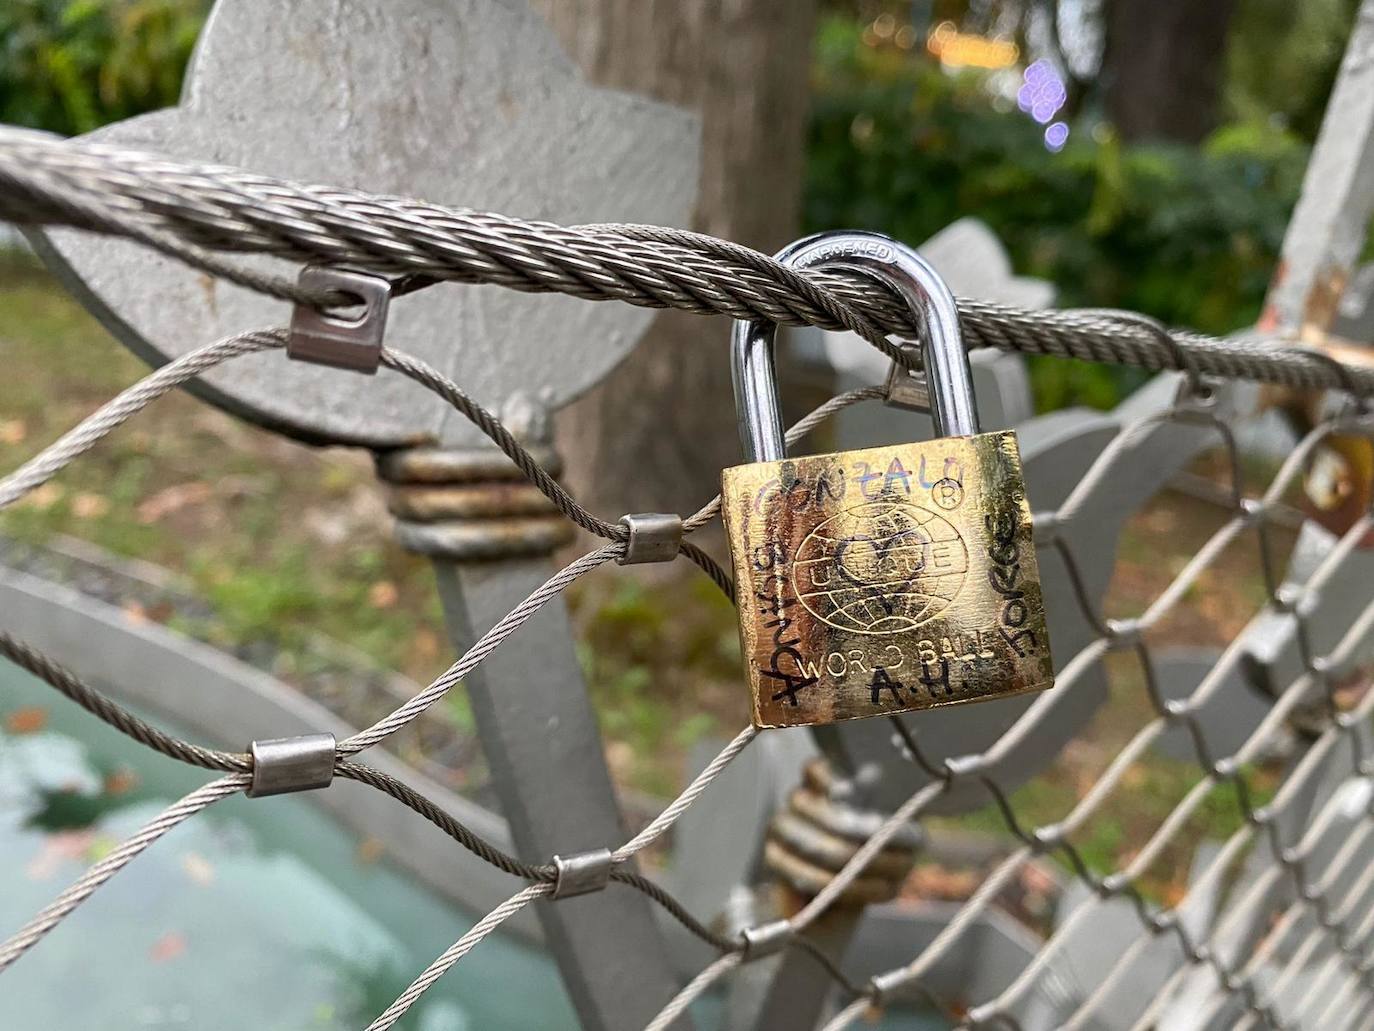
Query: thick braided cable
[{"x": 45, "y": 180}]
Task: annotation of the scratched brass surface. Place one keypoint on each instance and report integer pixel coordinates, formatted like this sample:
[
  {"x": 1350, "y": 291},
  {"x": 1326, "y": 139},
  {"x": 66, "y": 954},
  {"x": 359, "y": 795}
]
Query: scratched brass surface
[{"x": 888, "y": 579}]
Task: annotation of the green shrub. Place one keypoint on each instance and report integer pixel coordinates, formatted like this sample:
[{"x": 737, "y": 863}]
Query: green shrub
[
  {"x": 1189, "y": 235},
  {"x": 72, "y": 65}
]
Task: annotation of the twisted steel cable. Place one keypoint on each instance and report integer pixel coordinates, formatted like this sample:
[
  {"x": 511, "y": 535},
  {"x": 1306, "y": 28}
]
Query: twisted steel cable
[
  {"x": 45, "y": 180},
  {"x": 58, "y": 676},
  {"x": 182, "y": 208},
  {"x": 129, "y": 402},
  {"x": 52, "y": 914}
]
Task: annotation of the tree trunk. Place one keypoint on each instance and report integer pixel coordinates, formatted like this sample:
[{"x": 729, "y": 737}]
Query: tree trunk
[
  {"x": 656, "y": 433},
  {"x": 1163, "y": 66}
]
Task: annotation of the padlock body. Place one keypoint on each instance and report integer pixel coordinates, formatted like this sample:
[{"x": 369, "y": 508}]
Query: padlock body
[{"x": 886, "y": 579}]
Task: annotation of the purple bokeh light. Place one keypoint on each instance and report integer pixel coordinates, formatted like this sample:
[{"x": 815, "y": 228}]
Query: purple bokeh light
[{"x": 1042, "y": 95}]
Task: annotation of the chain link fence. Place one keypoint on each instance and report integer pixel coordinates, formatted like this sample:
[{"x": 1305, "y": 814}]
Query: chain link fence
[{"x": 1287, "y": 935}]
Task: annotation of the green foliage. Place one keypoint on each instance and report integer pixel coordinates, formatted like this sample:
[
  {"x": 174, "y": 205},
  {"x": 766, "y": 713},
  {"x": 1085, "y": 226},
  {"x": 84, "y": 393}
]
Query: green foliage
[
  {"x": 1187, "y": 235},
  {"x": 72, "y": 65},
  {"x": 1282, "y": 60}
]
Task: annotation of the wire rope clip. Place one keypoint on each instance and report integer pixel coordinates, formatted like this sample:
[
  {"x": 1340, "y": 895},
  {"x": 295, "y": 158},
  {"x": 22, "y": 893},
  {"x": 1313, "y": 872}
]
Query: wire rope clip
[
  {"x": 286, "y": 764},
  {"x": 906, "y": 388},
  {"x": 338, "y": 338},
  {"x": 654, "y": 537},
  {"x": 583, "y": 873}
]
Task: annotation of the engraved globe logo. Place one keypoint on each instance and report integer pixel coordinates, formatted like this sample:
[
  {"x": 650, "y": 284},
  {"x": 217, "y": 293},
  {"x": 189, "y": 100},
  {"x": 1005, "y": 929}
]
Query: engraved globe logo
[{"x": 880, "y": 568}]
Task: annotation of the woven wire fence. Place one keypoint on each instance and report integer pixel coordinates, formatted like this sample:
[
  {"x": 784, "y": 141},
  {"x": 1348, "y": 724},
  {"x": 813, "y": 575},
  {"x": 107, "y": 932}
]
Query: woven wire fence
[{"x": 1310, "y": 910}]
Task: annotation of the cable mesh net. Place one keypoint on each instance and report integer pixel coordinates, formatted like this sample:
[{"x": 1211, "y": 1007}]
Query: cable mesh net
[{"x": 1272, "y": 926}]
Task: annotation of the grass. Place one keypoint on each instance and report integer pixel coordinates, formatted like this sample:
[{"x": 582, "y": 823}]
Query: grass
[{"x": 284, "y": 541}]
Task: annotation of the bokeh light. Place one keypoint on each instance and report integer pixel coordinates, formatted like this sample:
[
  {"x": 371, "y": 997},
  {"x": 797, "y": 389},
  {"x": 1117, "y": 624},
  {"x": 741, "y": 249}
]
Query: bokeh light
[{"x": 1042, "y": 95}]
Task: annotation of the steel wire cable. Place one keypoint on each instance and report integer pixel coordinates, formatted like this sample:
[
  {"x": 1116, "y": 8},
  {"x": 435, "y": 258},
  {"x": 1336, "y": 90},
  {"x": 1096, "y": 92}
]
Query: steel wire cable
[
  {"x": 58, "y": 676},
  {"x": 1053, "y": 837},
  {"x": 129, "y": 402},
  {"x": 57, "y": 910},
  {"x": 45, "y": 180},
  {"x": 1245, "y": 516},
  {"x": 56, "y": 456},
  {"x": 457, "y": 951},
  {"x": 693, "y": 989},
  {"x": 1038, "y": 842},
  {"x": 181, "y": 209}
]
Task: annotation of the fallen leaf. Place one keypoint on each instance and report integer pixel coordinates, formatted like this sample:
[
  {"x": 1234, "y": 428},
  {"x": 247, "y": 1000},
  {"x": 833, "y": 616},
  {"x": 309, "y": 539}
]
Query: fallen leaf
[
  {"x": 425, "y": 644},
  {"x": 44, "y": 496},
  {"x": 89, "y": 506},
  {"x": 28, "y": 720},
  {"x": 168, "y": 947},
  {"x": 12, "y": 431},
  {"x": 101, "y": 845},
  {"x": 58, "y": 847},
  {"x": 172, "y": 499},
  {"x": 121, "y": 781},
  {"x": 370, "y": 850},
  {"x": 134, "y": 612},
  {"x": 383, "y": 594},
  {"x": 198, "y": 869}
]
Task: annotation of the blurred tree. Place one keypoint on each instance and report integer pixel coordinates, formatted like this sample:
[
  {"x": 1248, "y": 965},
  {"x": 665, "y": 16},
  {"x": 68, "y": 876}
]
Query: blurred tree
[
  {"x": 1188, "y": 234},
  {"x": 1282, "y": 60},
  {"x": 1162, "y": 67},
  {"x": 72, "y": 65},
  {"x": 658, "y": 431}
]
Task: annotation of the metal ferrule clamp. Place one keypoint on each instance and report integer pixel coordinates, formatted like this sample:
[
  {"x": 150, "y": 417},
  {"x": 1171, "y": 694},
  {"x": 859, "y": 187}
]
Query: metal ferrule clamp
[
  {"x": 582, "y": 873},
  {"x": 286, "y": 764}
]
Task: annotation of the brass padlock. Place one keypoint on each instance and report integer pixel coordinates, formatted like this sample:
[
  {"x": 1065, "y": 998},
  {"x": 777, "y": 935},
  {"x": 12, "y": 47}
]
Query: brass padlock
[{"x": 891, "y": 578}]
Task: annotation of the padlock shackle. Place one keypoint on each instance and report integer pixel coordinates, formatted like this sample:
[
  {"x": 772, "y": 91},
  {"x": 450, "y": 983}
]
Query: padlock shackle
[{"x": 949, "y": 377}]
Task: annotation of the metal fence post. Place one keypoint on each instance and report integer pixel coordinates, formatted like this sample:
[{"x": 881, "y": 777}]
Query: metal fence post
[
  {"x": 534, "y": 718},
  {"x": 548, "y": 142}
]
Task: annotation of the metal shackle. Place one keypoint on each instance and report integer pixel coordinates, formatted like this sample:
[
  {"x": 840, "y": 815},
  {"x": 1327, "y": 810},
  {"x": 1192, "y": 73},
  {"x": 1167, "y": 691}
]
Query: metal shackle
[{"x": 948, "y": 375}]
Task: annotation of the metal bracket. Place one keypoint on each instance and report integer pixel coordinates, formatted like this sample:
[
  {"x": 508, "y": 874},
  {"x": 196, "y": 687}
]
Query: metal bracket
[
  {"x": 582, "y": 873},
  {"x": 905, "y": 388},
  {"x": 654, "y": 537},
  {"x": 286, "y": 764},
  {"x": 336, "y": 340}
]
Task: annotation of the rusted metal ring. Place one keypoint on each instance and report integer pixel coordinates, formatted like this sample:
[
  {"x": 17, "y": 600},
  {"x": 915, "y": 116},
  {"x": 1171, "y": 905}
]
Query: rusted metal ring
[
  {"x": 459, "y": 465},
  {"x": 435, "y": 502},
  {"x": 486, "y": 539}
]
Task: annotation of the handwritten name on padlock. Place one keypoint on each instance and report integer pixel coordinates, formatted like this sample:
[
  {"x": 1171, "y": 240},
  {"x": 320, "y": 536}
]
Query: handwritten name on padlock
[{"x": 886, "y": 579}]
